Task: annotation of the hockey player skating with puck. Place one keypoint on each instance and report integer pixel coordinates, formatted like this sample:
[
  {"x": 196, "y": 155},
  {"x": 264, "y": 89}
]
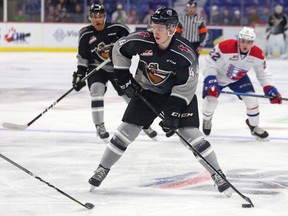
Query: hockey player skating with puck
[
  {"x": 95, "y": 42},
  {"x": 167, "y": 76},
  {"x": 227, "y": 65}
]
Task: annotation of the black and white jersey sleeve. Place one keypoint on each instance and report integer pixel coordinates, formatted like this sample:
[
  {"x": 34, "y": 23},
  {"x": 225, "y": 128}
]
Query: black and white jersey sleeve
[{"x": 174, "y": 70}]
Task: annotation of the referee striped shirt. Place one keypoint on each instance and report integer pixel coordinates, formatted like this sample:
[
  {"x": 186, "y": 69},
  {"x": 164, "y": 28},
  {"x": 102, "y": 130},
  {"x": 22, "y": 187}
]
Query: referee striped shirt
[{"x": 194, "y": 29}]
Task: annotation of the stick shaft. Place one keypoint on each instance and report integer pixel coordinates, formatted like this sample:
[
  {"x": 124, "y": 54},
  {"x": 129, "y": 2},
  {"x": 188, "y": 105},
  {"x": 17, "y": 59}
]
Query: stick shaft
[
  {"x": 69, "y": 91},
  {"x": 249, "y": 95},
  {"x": 23, "y": 127},
  {"x": 195, "y": 151},
  {"x": 40, "y": 179}
]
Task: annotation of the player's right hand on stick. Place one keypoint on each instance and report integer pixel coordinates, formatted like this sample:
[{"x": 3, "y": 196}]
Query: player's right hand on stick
[
  {"x": 211, "y": 87},
  {"x": 76, "y": 81},
  {"x": 170, "y": 121},
  {"x": 272, "y": 92}
]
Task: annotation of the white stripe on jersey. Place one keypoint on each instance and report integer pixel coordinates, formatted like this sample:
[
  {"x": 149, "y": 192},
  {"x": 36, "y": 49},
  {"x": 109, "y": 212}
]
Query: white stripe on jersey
[{"x": 191, "y": 27}]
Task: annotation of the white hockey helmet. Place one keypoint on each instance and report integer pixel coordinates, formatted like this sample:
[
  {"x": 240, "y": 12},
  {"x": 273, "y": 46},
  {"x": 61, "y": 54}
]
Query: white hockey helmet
[{"x": 247, "y": 33}]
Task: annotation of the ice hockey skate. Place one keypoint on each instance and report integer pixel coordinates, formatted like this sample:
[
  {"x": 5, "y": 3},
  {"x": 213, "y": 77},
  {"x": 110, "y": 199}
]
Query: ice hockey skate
[
  {"x": 207, "y": 124},
  {"x": 258, "y": 132},
  {"x": 99, "y": 175},
  {"x": 102, "y": 133},
  {"x": 223, "y": 186},
  {"x": 151, "y": 133}
]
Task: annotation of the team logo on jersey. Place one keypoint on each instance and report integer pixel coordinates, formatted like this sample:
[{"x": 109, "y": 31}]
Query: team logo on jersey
[
  {"x": 143, "y": 34},
  {"x": 170, "y": 61},
  {"x": 235, "y": 73},
  {"x": 103, "y": 51},
  {"x": 92, "y": 39},
  {"x": 234, "y": 58},
  {"x": 155, "y": 75},
  {"x": 185, "y": 49},
  {"x": 147, "y": 53}
]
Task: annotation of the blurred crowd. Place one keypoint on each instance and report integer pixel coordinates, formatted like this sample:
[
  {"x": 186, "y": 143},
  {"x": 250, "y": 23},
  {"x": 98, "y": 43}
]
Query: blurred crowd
[
  {"x": 214, "y": 12},
  {"x": 225, "y": 15}
]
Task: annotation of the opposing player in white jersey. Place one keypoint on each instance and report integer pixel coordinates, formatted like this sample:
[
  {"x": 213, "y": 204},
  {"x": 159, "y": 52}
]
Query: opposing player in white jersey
[{"x": 227, "y": 65}]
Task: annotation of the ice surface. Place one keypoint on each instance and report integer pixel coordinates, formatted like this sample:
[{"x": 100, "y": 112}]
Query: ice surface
[{"x": 152, "y": 178}]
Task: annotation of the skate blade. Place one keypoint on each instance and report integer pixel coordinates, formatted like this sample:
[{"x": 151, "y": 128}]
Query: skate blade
[{"x": 263, "y": 139}]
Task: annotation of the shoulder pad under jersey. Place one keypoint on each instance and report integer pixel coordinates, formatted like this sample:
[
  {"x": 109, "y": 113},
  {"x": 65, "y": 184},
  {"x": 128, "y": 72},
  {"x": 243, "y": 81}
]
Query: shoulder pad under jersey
[
  {"x": 141, "y": 35},
  {"x": 257, "y": 52},
  {"x": 116, "y": 25},
  {"x": 183, "y": 48},
  {"x": 85, "y": 29},
  {"x": 228, "y": 46}
]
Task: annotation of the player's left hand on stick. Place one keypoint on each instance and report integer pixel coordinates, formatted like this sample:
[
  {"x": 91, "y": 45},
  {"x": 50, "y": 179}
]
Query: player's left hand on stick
[
  {"x": 170, "y": 121},
  {"x": 272, "y": 92},
  {"x": 128, "y": 84},
  {"x": 210, "y": 87},
  {"x": 76, "y": 83}
]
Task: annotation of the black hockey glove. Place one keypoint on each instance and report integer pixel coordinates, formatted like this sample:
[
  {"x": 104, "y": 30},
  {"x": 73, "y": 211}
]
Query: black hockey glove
[
  {"x": 171, "y": 120},
  {"x": 76, "y": 82},
  {"x": 128, "y": 84}
]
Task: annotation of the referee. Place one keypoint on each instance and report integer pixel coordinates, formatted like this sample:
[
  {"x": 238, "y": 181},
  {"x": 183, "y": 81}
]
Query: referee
[{"x": 194, "y": 28}]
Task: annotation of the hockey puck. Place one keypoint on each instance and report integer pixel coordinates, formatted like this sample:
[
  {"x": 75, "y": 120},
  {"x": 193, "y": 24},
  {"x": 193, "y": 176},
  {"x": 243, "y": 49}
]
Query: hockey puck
[
  {"x": 246, "y": 205},
  {"x": 89, "y": 205}
]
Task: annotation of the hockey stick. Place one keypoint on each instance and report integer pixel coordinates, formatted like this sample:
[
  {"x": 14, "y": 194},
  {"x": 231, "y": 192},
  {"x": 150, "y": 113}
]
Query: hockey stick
[
  {"x": 23, "y": 127},
  {"x": 249, "y": 95},
  {"x": 199, "y": 154},
  {"x": 86, "y": 205}
]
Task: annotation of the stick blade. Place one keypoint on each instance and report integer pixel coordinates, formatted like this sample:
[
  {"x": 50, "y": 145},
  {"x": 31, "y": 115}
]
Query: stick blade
[
  {"x": 89, "y": 205},
  {"x": 14, "y": 126}
]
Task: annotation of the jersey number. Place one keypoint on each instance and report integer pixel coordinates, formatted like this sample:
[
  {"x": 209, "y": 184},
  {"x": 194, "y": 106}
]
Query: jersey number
[{"x": 214, "y": 55}]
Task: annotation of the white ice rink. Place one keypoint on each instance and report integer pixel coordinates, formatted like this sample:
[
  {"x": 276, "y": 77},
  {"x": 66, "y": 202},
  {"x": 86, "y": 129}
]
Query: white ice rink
[{"x": 160, "y": 178}]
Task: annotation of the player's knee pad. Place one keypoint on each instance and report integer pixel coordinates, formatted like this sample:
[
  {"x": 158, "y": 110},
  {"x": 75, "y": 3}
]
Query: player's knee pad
[
  {"x": 192, "y": 135},
  {"x": 97, "y": 89},
  {"x": 128, "y": 132}
]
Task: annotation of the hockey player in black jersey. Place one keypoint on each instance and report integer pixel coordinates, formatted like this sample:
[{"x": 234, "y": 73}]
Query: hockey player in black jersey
[
  {"x": 167, "y": 77},
  {"x": 95, "y": 42}
]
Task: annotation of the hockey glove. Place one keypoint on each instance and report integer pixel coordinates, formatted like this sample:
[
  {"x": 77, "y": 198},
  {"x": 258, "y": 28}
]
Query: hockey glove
[
  {"x": 129, "y": 85},
  {"x": 170, "y": 121},
  {"x": 272, "y": 92},
  {"x": 211, "y": 87},
  {"x": 76, "y": 82}
]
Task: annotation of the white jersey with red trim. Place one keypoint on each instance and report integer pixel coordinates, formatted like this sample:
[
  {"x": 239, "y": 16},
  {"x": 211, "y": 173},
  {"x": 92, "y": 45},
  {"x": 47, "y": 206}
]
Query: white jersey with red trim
[{"x": 228, "y": 65}]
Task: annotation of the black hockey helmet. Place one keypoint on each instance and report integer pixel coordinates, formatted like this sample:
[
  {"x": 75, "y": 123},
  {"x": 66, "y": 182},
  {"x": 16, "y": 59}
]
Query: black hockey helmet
[
  {"x": 165, "y": 16},
  {"x": 192, "y": 4},
  {"x": 97, "y": 8}
]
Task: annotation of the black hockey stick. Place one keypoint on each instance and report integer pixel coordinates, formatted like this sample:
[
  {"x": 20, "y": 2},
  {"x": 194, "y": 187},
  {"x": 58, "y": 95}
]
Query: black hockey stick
[
  {"x": 24, "y": 126},
  {"x": 199, "y": 154},
  {"x": 86, "y": 205},
  {"x": 249, "y": 95}
]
